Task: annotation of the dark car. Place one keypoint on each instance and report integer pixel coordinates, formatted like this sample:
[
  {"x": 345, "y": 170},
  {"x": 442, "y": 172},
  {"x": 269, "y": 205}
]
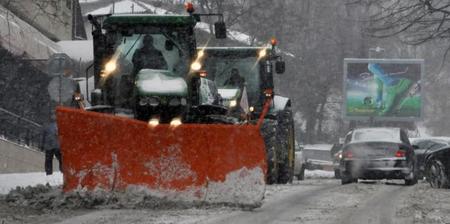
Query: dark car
[
  {"x": 377, "y": 153},
  {"x": 437, "y": 167},
  {"x": 424, "y": 146}
]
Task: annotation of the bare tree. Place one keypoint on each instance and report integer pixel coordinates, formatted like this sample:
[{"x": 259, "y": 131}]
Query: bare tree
[{"x": 415, "y": 21}]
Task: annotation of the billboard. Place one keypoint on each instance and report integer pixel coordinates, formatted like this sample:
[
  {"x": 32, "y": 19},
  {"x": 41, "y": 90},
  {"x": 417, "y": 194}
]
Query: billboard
[{"x": 383, "y": 89}]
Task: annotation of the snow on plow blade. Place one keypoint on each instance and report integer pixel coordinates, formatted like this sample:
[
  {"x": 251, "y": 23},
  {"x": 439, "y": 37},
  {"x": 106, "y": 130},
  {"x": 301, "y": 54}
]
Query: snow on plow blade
[{"x": 192, "y": 162}]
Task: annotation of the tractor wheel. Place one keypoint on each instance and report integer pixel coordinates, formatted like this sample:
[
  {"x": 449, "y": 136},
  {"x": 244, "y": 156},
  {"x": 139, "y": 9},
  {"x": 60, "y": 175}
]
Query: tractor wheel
[
  {"x": 269, "y": 133},
  {"x": 286, "y": 136}
]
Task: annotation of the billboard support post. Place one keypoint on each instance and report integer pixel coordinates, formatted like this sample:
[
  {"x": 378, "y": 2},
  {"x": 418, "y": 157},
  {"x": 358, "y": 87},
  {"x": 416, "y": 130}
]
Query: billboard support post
[{"x": 378, "y": 50}]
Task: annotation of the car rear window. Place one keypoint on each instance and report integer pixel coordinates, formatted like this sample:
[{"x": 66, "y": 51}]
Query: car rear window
[{"x": 376, "y": 135}]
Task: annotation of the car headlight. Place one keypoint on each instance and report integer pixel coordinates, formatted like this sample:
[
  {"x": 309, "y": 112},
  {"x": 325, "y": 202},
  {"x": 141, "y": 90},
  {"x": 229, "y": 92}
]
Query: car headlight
[
  {"x": 153, "y": 101},
  {"x": 174, "y": 102}
]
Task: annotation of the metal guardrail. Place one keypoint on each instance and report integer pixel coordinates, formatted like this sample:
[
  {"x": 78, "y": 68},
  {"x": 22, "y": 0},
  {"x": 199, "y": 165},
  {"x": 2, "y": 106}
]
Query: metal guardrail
[{"x": 20, "y": 130}]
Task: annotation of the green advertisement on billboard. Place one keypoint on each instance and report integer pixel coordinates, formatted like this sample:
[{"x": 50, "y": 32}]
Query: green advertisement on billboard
[{"x": 383, "y": 89}]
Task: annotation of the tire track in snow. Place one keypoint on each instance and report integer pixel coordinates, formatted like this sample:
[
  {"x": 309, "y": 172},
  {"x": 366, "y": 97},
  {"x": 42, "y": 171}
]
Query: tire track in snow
[
  {"x": 283, "y": 209},
  {"x": 381, "y": 206}
]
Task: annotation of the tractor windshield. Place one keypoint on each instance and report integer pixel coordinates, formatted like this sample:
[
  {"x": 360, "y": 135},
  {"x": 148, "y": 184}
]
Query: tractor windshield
[
  {"x": 160, "y": 51},
  {"x": 164, "y": 50},
  {"x": 232, "y": 73}
]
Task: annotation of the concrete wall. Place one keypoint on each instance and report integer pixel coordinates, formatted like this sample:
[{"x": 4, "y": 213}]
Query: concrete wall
[
  {"x": 20, "y": 38},
  {"x": 51, "y": 17},
  {"x": 15, "y": 158}
]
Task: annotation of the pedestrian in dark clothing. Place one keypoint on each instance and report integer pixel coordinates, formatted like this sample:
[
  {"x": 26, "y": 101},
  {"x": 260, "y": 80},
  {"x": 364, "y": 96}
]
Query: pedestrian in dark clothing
[
  {"x": 235, "y": 80},
  {"x": 50, "y": 144}
]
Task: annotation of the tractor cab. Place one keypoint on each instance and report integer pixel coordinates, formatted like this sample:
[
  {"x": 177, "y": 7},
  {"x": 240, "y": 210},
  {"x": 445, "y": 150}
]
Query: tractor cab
[
  {"x": 234, "y": 68},
  {"x": 143, "y": 66}
]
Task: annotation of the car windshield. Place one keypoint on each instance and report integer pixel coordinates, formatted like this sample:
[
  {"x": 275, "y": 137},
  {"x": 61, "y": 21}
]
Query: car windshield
[
  {"x": 221, "y": 69},
  {"x": 376, "y": 135}
]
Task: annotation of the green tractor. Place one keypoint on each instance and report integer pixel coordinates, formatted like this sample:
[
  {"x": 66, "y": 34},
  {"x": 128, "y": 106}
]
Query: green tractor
[
  {"x": 244, "y": 79},
  {"x": 144, "y": 68},
  {"x": 174, "y": 139}
]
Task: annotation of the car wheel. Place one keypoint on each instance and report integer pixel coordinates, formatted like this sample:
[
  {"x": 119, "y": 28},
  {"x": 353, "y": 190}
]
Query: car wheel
[
  {"x": 337, "y": 174},
  {"x": 348, "y": 179},
  {"x": 436, "y": 175},
  {"x": 411, "y": 179}
]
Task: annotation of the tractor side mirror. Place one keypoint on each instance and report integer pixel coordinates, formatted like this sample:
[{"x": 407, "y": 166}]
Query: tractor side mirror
[
  {"x": 220, "y": 30},
  {"x": 168, "y": 45},
  {"x": 280, "y": 67}
]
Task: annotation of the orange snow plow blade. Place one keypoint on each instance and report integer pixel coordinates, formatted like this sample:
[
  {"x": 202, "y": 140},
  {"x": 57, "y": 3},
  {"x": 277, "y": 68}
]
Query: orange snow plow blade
[{"x": 191, "y": 162}]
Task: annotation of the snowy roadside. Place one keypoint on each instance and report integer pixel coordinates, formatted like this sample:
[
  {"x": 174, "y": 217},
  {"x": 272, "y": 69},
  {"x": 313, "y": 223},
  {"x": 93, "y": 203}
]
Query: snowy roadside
[
  {"x": 9, "y": 182},
  {"x": 427, "y": 205}
]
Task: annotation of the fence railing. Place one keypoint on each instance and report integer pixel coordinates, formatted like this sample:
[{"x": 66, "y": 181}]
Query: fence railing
[{"x": 16, "y": 128}]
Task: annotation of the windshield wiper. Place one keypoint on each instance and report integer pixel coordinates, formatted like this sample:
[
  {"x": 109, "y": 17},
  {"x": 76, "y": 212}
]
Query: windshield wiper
[
  {"x": 134, "y": 44},
  {"x": 180, "y": 49}
]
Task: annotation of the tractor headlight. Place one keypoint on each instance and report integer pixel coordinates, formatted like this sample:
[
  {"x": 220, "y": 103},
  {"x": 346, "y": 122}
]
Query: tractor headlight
[
  {"x": 153, "y": 122},
  {"x": 176, "y": 122},
  {"x": 110, "y": 66},
  {"x": 143, "y": 101},
  {"x": 262, "y": 53},
  {"x": 196, "y": 66},
  {"x": 153, "y": 101},
  {"x": 174, "y": 102},
  {"x": 233, "y": 103}
]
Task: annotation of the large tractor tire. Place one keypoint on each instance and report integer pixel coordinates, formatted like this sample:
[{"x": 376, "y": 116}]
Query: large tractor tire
[
  {"x": 286, "y": 136},
  {"x": 269, "y": 131}
]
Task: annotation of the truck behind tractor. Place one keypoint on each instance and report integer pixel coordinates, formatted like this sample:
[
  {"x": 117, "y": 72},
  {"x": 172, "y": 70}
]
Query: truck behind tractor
[
  {"x": 244, "y": 78},
  {"x": 159, "y": 130}
]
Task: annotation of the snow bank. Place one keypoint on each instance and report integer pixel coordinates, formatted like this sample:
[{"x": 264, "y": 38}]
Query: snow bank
[
  {"x": 324, "y": 147},
  {"x": 315, "y": 174},
  {"x": 11, "y": 181},
  {"x": 232, "y": 192}
]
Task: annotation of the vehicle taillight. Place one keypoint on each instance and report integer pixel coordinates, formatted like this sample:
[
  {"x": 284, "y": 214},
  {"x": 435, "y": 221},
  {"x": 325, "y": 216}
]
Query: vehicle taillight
[
  {"x": 400, "y": 153},
  {"x": 347, "y": 154}
]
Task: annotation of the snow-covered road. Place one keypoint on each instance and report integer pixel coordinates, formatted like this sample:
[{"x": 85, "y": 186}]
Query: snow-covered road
[{"x": 314, "y": 200}]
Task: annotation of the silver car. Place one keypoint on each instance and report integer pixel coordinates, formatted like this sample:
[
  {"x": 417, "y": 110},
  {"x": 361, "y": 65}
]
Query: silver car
[{"x": 377, "y": 153}]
